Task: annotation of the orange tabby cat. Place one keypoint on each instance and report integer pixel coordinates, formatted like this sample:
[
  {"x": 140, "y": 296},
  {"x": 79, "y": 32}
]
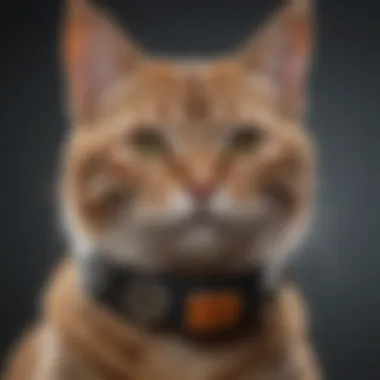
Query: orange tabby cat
[{"x": 188, "y": 174}]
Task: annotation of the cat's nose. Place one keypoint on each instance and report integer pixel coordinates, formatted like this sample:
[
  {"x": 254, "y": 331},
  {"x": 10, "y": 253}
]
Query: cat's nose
[{"x": 202, "y": 191}]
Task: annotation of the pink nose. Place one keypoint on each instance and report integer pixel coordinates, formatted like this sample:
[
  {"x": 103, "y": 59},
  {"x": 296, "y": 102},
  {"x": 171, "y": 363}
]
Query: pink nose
[{"x": 202, "y": 191}]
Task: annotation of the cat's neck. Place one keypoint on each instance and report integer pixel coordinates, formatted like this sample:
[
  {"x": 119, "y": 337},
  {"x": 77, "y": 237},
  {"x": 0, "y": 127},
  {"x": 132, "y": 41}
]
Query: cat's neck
[{"x": 116, "y": 349}]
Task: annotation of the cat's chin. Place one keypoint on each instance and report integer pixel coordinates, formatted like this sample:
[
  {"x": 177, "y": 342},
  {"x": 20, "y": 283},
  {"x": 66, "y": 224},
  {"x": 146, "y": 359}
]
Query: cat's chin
[{"x": 206, "y": 247}]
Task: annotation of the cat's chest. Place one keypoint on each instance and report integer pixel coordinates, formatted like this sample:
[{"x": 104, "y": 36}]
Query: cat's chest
[{"x": 176, "y": 361}]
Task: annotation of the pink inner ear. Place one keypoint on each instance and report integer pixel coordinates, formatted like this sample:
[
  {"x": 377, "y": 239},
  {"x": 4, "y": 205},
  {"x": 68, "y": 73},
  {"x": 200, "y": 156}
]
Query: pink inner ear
[
  {"x": 285, "y": 56},
  {"x": 295, "y": 71},
  {"x": 96, "y": 71},
  {"x": 79, "y": 63},
  {"x": 296, "y": 63},
  {"x": 85, "y": 84},
  {"x": 97, "y": 66}
]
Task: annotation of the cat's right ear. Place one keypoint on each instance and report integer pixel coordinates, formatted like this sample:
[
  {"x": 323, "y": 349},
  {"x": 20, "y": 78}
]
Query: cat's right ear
[
  {"x": 282, "y": 50},
  {"x": 95, "y": 54}
]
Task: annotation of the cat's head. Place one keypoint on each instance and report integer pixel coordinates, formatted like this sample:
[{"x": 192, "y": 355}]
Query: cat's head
[{"x": 187, "y": 162}]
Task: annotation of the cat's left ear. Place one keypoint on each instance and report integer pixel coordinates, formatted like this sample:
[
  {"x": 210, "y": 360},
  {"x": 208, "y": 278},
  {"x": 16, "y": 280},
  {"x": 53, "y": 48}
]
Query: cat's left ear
[
  {"x": 281, "y": 51},
  {"x": 95, "y": 55}
]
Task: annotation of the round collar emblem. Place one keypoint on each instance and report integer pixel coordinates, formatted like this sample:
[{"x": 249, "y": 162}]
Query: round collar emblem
[{"x": 147, "y": 302}]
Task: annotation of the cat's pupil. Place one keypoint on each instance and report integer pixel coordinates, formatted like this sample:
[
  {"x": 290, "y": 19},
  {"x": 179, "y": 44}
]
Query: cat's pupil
[
  {"x": 244, "y": 139},
  {"x": 148, "y": 141}
]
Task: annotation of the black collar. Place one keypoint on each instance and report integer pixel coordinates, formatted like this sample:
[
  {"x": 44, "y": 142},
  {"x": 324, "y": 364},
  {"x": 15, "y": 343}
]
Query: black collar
[{"x": 202, "y": 307}]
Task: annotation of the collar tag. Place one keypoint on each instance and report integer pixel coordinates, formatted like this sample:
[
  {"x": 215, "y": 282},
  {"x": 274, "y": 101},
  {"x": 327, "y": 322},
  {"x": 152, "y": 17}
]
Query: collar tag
[{"x": 213, "y": 311}]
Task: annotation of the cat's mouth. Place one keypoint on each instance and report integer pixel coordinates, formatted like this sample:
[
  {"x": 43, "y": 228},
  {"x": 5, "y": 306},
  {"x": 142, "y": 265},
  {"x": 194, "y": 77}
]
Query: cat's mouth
[
  {"x": 205, "y": 235},
  {"x": 200, "y": 231},
  {"x": 202, "y": 218}
]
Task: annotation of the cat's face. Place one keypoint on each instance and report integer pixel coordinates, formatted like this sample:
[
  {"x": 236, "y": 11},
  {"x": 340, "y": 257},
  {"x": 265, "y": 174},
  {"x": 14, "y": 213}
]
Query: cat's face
[{"x": 186, "y": 163}]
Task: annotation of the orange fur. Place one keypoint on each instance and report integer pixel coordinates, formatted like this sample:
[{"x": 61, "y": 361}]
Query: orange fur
[
  {"x": 111, "y": 349},
  {"x": 119, "y": 194}
]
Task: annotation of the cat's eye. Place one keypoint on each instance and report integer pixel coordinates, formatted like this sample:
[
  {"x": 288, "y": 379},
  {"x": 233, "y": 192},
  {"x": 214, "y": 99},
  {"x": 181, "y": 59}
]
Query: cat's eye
[
  {"x": 148, "y": 141},
  {"x": 244, "y": 139}
]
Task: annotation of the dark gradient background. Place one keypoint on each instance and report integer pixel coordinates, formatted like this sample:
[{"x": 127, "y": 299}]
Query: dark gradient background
[{"x": 340, "y": 266}]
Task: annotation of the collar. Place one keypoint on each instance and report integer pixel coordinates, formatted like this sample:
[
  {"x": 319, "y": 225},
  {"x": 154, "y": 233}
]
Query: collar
[{"x": 200, "y": 307}]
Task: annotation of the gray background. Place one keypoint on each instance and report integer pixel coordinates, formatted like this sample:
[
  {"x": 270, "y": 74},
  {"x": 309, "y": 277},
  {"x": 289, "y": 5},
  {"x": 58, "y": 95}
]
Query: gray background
[{"x": 339, "y": 266}]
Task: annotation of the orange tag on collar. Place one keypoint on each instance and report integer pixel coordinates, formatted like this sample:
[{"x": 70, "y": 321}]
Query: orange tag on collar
[{"x": 212, "y": 311}]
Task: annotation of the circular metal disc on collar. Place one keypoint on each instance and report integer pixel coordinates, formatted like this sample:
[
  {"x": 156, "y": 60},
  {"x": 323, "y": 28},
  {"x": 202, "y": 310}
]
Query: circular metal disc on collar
[{"x": 146, "y": 302}]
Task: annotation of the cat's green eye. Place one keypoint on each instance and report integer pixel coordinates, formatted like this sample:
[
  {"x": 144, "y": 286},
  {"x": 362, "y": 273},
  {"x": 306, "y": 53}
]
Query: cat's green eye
[
  {"x": 148, "y": 141},
  {"x": 244, "y": 139}
]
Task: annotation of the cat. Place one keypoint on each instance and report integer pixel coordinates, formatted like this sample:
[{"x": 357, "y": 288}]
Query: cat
[{"x": 182, "y": 181}]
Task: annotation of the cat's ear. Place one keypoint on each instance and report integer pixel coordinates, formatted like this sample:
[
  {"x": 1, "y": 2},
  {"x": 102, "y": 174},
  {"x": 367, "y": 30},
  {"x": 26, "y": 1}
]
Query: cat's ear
[
  {"x": 95, "y": 53},
  {"x": 281, "y": 51}
]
